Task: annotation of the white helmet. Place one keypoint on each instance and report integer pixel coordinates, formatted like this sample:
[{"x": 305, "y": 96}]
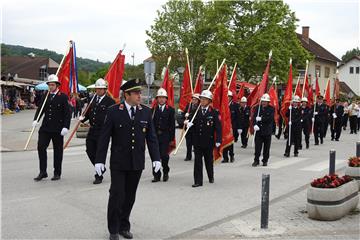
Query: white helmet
[
  {"x": 206, "y": 94},
  {"x": 265, "y": 98},
  {"x": 196, "y": 95},
  {"x": 243, "y": 99},
  {"x": 123, "y": 82},
  {"x": 100, "y": 84},
  {"x": 296, "y": 98},
  {"x": 161, "y": 93},
  {"x": 304, "y": 99},
  {"x": 230, "y": 94},
  {"x": 52, "y": 78}
]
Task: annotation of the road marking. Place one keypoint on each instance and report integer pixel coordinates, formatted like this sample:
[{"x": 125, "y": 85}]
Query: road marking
[
  {"x": 285, "y": 162},
  {"x": 323, "y": 165}
]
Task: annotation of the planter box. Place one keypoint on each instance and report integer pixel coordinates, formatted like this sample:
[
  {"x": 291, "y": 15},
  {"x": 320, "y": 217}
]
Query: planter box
[
  {"x": 353, "y": 172},
  {"x": 330, "y": 204}
]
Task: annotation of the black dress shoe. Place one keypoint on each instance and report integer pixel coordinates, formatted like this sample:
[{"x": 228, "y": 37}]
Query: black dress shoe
[
  {"x": 321, "y": 141},
  {"x": 187, "y": 159},
  {"x": 264, "y": 164},
  {"x": 254, "y": 164},
  {"x": 316, "y": 144},
  {"x": 165, "y": 177},
  {"x": 300, "y": 147},
  {"x": 114, "y": 237},
  {"x": 337, "y": 140},
  {"x": 307, "y": 146},
  {"x": 286, "y": 154},
  {"x": 156, "y": 180},
  {"x": 232, "y": 159},
  {"x": 126, "y": 234},
  {"x": 55, "y": 178},
  {"x": 243, "y": 146},
  {"x": 97, "y": 181},
  {"x": 211, "y": 180},
  {"x": 332, "y": 139},
  {"x": 224, "y": 161},
  {"x": 197, "y": 185},
  {"x": 41, "y": 176},
  {"x": 296, "y": 154}
]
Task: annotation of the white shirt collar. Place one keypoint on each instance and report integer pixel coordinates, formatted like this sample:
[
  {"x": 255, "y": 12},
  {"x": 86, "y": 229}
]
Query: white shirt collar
[
  {"x": 128, "y": 106},
  {"x": 206, "y": 108},
  {"x": 101, "y": 97},
  {"x": 55, "y": 92}
]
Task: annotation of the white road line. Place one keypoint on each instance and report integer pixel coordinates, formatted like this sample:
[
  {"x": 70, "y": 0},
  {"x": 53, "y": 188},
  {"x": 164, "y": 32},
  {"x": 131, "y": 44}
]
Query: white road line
[
  {"x": 285, "y": 162},
  {"x": 323, "y": 165}
]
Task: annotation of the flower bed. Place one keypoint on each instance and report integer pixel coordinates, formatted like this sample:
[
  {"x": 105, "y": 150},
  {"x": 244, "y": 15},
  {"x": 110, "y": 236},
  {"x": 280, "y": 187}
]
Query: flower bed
[{"x": 353, "y": 169}]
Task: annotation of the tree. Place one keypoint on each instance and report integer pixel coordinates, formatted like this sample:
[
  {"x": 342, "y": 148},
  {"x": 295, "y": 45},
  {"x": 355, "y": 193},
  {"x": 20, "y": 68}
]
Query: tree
[
  {"x": 350, "y": 54},
  {"x": 240, "y": 31}
]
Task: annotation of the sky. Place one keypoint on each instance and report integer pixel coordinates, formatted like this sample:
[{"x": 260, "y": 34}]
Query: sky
[{"x": 100, "y": 29}]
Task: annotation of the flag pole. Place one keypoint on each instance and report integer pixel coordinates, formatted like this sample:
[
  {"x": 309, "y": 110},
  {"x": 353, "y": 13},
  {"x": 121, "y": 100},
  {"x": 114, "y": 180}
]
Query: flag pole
[
  {"x": 306, "y": 72},
  {"x": 192, "y": 119},
  {"x": 43, "y": 103},
  {"x": 232, "y": 75},
  {"x": 188, "y": 63}
]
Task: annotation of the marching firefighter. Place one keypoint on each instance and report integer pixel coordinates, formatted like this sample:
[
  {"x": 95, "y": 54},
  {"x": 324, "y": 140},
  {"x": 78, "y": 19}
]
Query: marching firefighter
[
  {"x": 164, "y": 122},
  {"x": 294, "y": 115},
  {"x": 244, "y": 121},
  {"x": 96, "y": 116},
  {"x": 306, "y": 114},
  {"x": 207, "y": 133},
  {"x": 336, "y": 113},
  {"x": 263, "y": 124},
  {"x": 129, "y": 125},
  {"x": 54, "y": 127},
  {"x": 189, "y": 113},
  {"x": 319, "y": 120},
  {"x": 235, "y": 120}
]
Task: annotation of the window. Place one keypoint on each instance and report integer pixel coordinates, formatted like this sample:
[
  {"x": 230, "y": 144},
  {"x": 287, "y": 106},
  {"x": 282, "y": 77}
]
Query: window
[
  {"x": 357, "y": 70},
  {"x": 334, "y": 70},
  {"x": 42, "y": 73},
  {"x": 327, "y": 72},
  {"x": 318, "y": 70},
  {"x": 351, "y": 70}
]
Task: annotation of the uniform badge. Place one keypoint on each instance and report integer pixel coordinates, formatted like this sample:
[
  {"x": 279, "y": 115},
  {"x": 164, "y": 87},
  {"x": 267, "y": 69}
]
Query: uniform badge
[{"x": 121, "y": 106}]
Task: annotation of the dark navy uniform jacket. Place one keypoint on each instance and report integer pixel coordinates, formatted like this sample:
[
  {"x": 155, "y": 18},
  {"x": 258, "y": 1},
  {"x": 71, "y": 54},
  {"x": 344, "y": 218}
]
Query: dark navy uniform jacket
[
  {"x": 128, "y": 138},
  {"x": 307, "y": 114},
  {"x": 164, "y": 122},
  {"x": 56, "y": 111},
  {"x": 296, "y": 117},
  {"x": 244, "y": 117},
  {"x": 96, "y": 115},
  {"x": 207, "y": 128},
  {"x": 235, "y": 115},
  {"x": 322, "y": 115},
  {"x": 339, "y": 111},
  {"x": 267, "y": 120}
]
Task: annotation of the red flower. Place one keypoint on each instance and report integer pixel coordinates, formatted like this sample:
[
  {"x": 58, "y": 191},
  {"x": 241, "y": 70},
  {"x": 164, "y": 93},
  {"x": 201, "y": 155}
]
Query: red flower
[
  {"x": 354, "y": 162},
  {"x": 330, "y": 181}
]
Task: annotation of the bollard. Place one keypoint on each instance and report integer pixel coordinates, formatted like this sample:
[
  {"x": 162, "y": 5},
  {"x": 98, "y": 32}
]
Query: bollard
[
  {"x": 332, "y": 162},
  {"x": 265, "y": 200},
  {"x": 358, "y": 149}
]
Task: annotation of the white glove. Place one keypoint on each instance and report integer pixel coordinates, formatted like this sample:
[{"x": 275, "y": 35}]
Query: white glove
[
  {"x": 315, "y": 113},
  {"x": 81, "y": 118},
  {"x": 240, "y": 131},
  {"x": 64, "y": 131},
  {"x": 290, "y": 123},
  {"x": 313, "y": 119},
  {"x": 186, "y": 122},
  {"x": 189, "y": 125},
  {"x": 256, "y": 128},
  {"x": 157, "y": 166},
  {"x": 217, "y": 144},
  {"x": 34, "y": 123},
  {"x": 258, "y": 119},
  {"x": 290, "y": 107},
  {"x": 187, "y": 115},
  {"x": 99, "y": 168},
  {"x": 301, "y": 120},
  {"x": 334, "y": 115}
]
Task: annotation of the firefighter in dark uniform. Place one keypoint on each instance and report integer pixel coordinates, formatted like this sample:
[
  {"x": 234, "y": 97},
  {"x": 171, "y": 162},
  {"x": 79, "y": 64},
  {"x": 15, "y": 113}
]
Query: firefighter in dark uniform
[
  {"x": 306, "y": 114},
  {"x": 336, "y": 113},
  {"x": 235, "y": 120},
  {"x": 319, "y": 119},
  {"x": 244, "y": 121},
  {"x": 96, "y": 116},
  {"x": 189, "y": 113},
  {"x": 54, "y": 127},
  {"x": 295, "y": 125},
  {"x": 263, "y": 125},
  {"x": 129, "y": 125},
  {"x": 164, "y": 122},
  {"x": 327, "y": 119},
  {"x": 207, "y": 133}
]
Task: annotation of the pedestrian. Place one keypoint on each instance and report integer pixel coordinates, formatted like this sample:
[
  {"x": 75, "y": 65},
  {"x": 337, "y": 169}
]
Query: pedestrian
[
  {"x": 207, "y": 135},
  {"x": 244, "y": 121},
  {"x": 306, "y": 115},
  {"x": 189, "y": 113},
  {"x": 164, "y": 122},
  {"x": 263, "y": 124},
  {"x": 336, "y": 111},
  {"x": 353, "y": 112},
  {"x": 319, "y": 120},
  {"x": 295, "y": 121},
  {"x": 96, "y": 115},
  {"x": 54, "y": 127},
  {"x": 345, "y": 117},
  {"x": 129, "y": 125}
]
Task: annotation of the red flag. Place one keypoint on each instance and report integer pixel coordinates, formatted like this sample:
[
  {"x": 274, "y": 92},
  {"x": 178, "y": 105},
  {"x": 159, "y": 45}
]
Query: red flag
[
  {"x": 336, "y": 94},
  {"x": 327, "y": 93},
  {"x": 262, "y": 87},
  {"x": 221, "y": 102},
  {"x": 64, "y": 73},
  {"x": 287, "y": 96},
  {"x": 317, "y": 87},
  {"x": 232, "y": 85},
  {"x": 307, "y": 91},
  {"x": 241, "y": 92},
  {"x": 298, "y": 88},
  {"x": 199, "y": 83},
  {"x": 251, "y": 99},
  {"x": 274, "y": 102},
  {"x": 115, "y": 75},
  {"x": 185, "y": 92}
]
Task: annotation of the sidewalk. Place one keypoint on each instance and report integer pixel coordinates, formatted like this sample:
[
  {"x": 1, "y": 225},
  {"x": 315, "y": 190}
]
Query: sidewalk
[
  {"x": 287, "y": 220},
  {"x": 15, "y": 129}
]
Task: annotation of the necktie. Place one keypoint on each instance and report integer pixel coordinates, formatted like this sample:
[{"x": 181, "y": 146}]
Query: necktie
[
  {"x": 132, "y": 110},
  {"x": 204, "y": 111},
  {"x": 97, "y": 100}
]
